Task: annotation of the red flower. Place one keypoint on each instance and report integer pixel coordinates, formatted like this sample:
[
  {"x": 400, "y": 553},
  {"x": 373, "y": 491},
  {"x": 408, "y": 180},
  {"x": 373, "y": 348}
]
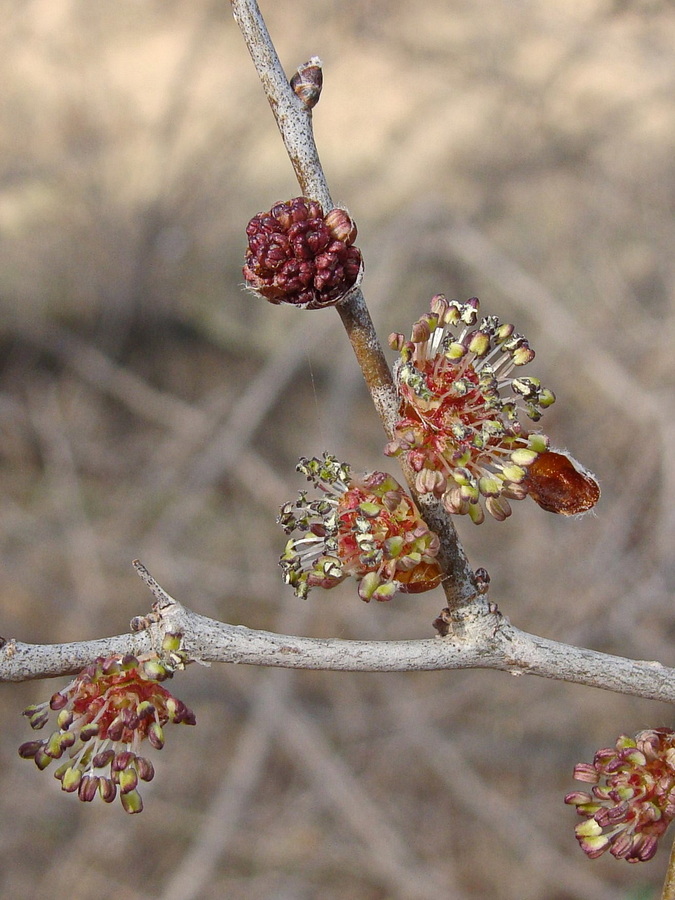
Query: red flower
[
  {"x": 632, "y": 801},
  {"x": 103, "y": 716},
  {"x": 463, "y": 401},
  {"x": 367, "y": 528}
]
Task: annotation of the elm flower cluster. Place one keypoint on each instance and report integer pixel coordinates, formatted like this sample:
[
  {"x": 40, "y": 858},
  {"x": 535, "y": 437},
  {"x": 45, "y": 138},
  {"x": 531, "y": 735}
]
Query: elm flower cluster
[
  {"x": 299, "y": 256},
  {"x": 632, "y": 801},
  {"x": 463, "y": 399},
  {"x": 103, "y": 716},
  {"x": 365, "y": 527}
]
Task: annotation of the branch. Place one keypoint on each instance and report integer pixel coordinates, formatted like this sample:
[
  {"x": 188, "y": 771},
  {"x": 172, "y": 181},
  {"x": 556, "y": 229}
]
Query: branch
[
  {"x": 294, "y": 120},
  {"x": 478, "y": 637}
]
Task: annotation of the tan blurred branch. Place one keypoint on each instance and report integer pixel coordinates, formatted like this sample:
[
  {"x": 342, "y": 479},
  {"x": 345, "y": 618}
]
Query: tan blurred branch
[{"x": 479, "y": 637}]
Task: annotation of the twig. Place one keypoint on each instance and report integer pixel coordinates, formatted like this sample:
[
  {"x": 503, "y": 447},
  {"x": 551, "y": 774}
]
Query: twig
[
  {"x": 482, "y": 639},
  {"x": 294, "y": 121}
]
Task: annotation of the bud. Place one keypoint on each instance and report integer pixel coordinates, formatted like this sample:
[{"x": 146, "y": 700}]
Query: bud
[
  {"x": 296, "y": 255},
  {"x": 308, "y": 81}
]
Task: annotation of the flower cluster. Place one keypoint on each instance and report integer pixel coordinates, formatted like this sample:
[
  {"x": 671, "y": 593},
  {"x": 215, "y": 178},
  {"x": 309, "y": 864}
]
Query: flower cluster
[
  {"x": 461, "y": 428},
  {"x": 632, "y": 801},
  {"x": 103, "y": 716},
  {"x": 299, "y": 256},
  {"x": 366, "y": 527}
]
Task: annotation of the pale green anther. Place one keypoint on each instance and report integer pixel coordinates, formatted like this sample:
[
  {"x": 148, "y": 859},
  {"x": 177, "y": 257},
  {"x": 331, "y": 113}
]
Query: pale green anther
[
  {"x": 523, "y": 457},
  {"x": 469, "y": 492},
  {"x": 476, "y": 513},
  {"x": 86, "y": 756},
  {"x": 144, "y": 708},
  {"x": 479, "y": 344},
  {"x": 368, "y": 585},
  {"x": 71, "y": 778},
  {"x": 492, "y": 428},
  {"x": 523, "y": 386},
  {"x": 461, "y": 387},
  {"x": 394, "y": 546},
  {"x": 624, "y": 791},
  {"x": 522, "y": 356},
  {"x": 504, "y": 331},
  {"x": 460, "y": 431},
  {"x": 132, "y": 802},
  {"x": 538, "y": 443},
  {"x": 385, "y": 591},
  {"x": 462, "y": 476},
  {"x": 157, "y": 732},
  {"x": 54, "y": 747},
  {"x": 455, "y": 351},
  {"x": 409, "y": 561},
  {"x": 128, "y": 779},
  {"x": 546, "y": 398},
  {"x": 369, "y": 508},
  {"x": 65, "y": 719},
  {"x": 171, "y": 642},
  {"x": 589, "y": 829},
  {"x": 513, "y": 473},
  {"x": 635, "y": 757},
  {"x": 42, "y": 759},
  {"x": 88, "y": 731},
  {"x": 155, "y": 670},
  {"x": 62, "y": 769},
  {"x": 489, "y": 487}
]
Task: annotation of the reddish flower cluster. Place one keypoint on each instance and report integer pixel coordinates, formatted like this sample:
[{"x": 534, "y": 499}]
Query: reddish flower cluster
[
  {"x": 632, "y": 801},
  {"x": 299, "y": 256},
  {"x": 461, "y": 427},
  {"x": 366, "y": 527},
  {"x": 103, "y": 716}
]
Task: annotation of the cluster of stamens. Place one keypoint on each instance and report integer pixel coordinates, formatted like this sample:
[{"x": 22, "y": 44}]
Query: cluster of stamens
[
  {"x": 367, "y": 528},
  {"x": 103, "y": 716},
  {"x": 632, "y": 801},
  {"x": 462, "y": 401}
]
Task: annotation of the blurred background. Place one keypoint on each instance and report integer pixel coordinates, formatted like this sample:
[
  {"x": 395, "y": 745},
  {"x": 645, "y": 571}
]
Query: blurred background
[{"x": 520, "y": 151}]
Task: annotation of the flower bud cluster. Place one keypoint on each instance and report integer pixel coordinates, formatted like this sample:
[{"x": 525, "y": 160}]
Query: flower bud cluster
[
  {"x": 299, "y": 256},
  {"x": 463, "y": 401},
  {"x": 367, "y": 527},
  {"x": 632, "y": 801},
  {"x": 102, "y": 718}
]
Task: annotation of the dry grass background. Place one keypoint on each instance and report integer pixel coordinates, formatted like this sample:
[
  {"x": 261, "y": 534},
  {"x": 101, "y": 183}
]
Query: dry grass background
[{"x": 522, "y": 151}]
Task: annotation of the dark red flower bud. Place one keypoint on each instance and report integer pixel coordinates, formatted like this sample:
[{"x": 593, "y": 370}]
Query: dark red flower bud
[{"x": 296, "y": 255}]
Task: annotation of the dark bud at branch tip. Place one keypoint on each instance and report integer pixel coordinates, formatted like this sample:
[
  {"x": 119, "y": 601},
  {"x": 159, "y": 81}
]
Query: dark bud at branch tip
[{"x": 308, "y": 81}]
